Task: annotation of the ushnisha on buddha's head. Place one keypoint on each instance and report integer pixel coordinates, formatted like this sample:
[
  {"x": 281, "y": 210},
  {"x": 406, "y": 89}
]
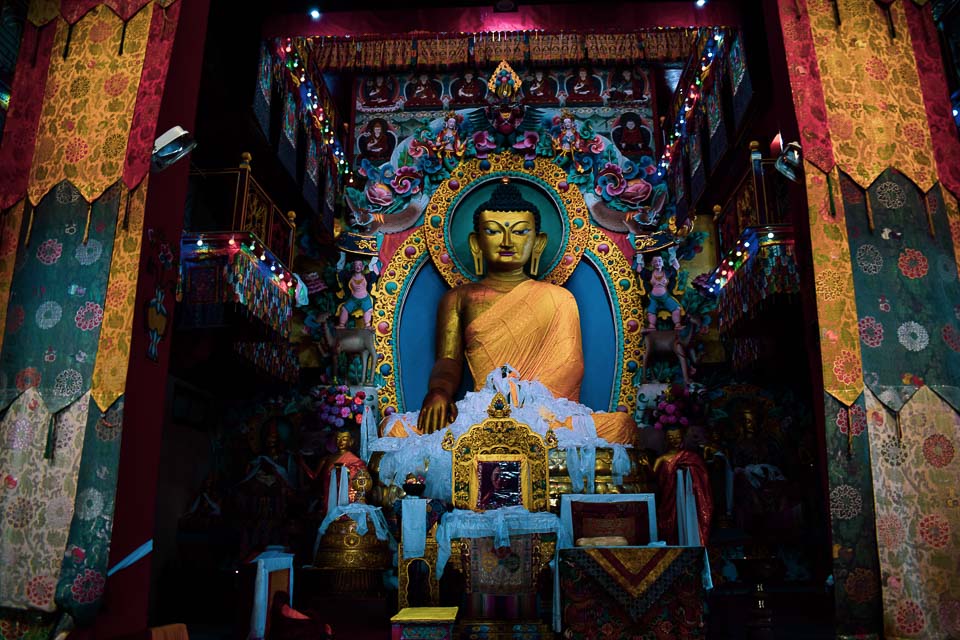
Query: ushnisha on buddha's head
[{"x": 506, "y": 233}]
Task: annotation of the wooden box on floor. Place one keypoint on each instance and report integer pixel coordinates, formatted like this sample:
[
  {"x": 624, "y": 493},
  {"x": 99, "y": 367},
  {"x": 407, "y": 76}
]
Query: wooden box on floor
[{"x": 423, "y": 623}]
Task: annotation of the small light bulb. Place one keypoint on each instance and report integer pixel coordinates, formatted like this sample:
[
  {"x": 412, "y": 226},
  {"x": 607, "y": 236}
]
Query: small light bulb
[
  {"x": 955, "y": 113},
  {"x": 770, "y": 235},
  {"x": 717, "y": 280},
  {"x": 701, "y": 3},
  {"x": 273, "y": 267},
  {"x": 711, "y": 289},
  {"x": 746, "y": 244},
  {"x": 231, "y": 241},
  {"x": 263, "y": 256},
  {"x": 315, "y": 14},
  {"x": 199, "y": 242}
]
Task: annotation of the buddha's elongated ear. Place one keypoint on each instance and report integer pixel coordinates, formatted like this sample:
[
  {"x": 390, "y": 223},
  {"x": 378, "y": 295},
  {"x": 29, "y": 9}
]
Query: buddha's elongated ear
[
  {"x": 476, "y": 253},
  {"x": 538, "y": 246}
]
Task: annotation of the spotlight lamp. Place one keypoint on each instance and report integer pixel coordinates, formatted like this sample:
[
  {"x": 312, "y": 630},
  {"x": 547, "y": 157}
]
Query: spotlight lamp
[
  {"x": 789, "y": 161},
  {"x": 171, "y": 146}
]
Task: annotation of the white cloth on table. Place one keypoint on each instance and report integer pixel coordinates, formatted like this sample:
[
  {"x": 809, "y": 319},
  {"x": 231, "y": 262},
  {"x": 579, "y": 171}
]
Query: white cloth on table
[
  {"x": 499, "y": 524},
  {"x": 413, "y": 519},
  {"x": 359, "y": 513},
  {"x": 267, "y": 562}
]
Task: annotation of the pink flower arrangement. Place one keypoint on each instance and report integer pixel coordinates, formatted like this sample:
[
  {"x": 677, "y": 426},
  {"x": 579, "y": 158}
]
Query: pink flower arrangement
[
  {"x": 678, "y": 406},
  {"x": 337, "y": 408}
]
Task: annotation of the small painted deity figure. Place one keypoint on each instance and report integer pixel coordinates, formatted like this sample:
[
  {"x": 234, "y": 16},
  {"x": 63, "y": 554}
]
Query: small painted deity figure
[
  {"x": 630, "y": 137},
  {"x": 568, "y": 142},
  {"x": 378, "y": 92},
  {"x": 423, "y": 92},
  {"x": 468, "y": 89},
  {"x": 541, "y": 88},
  {"x": 583, "y": 87},
  {"x": 659, "y": 280},
  {"x": 343, "y": 457},
  {"x": 376, "y": 143},
  {"x": 447, "y": 143},
  {"x": 356, "y": 288},
  {"x": 670, "y": 509},
  {"x": 627, "y": 87},
  {"x": 505, "y": 118}
]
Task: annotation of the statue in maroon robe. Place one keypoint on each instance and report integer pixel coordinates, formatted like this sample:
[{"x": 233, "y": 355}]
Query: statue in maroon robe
[{"x": 665, "y": 468}]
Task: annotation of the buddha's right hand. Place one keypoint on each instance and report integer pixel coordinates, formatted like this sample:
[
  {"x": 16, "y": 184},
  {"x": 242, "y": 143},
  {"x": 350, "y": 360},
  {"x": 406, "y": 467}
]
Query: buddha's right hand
[{"x": 437, "y": 412}]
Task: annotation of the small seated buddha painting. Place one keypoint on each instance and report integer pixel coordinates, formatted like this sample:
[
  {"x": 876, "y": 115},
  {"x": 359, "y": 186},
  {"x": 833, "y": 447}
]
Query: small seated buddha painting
[{"x": 499, "y": 484}]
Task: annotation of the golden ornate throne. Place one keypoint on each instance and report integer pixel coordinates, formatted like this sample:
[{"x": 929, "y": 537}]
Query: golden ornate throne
[{"x": 497, "y": 464}]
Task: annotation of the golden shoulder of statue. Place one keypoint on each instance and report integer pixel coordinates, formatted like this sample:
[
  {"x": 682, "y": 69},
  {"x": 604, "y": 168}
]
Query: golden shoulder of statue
[{"x": 506, "y": 237}]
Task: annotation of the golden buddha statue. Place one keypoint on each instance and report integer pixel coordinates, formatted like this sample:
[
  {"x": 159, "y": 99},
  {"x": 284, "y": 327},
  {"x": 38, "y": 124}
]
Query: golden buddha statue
[
  {"x": 508, "y": 317},
  {"x": 343, "y": 457}
]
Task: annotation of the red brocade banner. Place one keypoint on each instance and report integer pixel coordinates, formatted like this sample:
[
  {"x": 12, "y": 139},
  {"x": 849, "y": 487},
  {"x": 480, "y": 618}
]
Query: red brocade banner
[
  {"x": 163, "y": 28},
  {"x": 43, "y": 11},
  {"x": 26, "y": 102},
  {"x": 805, "y": 83},
  {"x": 933, "y": 84}
]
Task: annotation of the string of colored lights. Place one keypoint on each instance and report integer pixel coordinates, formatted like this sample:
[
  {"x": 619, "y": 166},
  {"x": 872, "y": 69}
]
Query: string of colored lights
[{"x": 688, "y": 95}]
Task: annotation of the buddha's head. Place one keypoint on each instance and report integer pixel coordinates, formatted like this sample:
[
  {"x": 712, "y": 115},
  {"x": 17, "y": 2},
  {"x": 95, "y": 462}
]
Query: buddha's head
[
  {"x": 344, "y": 441},
  {"x": 673, "y": 437},
  {"x": 506, "y": 232}
]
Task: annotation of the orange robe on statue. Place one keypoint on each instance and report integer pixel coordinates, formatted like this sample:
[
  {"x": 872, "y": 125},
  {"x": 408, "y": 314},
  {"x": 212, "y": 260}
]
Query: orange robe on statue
[{"x": 535, "y": 328}]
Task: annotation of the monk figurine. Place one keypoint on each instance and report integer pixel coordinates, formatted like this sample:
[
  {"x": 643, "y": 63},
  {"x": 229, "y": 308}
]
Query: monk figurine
[
  {"x": 676, "y": 459},
  {"x": 510, "y": 318},
  {"x": 343, "y": 457}
]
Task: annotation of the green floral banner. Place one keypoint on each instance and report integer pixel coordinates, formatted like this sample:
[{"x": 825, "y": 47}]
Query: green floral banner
[
  {"x": 87, "y": 551},
  {"x": 57, "y": 296},
  {"x": 907, "y": 292}
]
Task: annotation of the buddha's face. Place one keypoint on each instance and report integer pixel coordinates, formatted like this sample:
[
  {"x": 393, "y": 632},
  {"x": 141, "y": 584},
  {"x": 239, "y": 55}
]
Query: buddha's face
[
  {"x": 377, "y": 130},
  {"x": 674, "y": 438},
  {"x": 583, "y": 74},
  {"x": 748, "y": 422},
  {"x": 468, "y": 76},
  {"x": 507, "y": 239},
  {"x": 631, "y": 124},
  {"x": 344, "y": 441}
]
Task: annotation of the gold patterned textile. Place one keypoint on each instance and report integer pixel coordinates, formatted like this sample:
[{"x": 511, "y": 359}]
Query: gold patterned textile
[
  {"x": 633, "y": 571},
  {"x": 612, "y": 47},
  {"x": 872, "y": 91},
  {"x": 491, "y": 48},
  {"x": 113, "y": 351},
  {"x": 89, "y": 102},
  {"x": 918, "y": 519},
  {"x": 37, "y": 499},
  {"x": 833, "y": 273},
  {"x": 556, "y": 48},
  {"x": 441, "y": 52},
  {"x": 380, "y": 54},
  {"x": 9, "y": 239}
]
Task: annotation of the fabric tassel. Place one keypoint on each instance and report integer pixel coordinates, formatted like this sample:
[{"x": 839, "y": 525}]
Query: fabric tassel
[
  {"x": 125, "y": 206},
  {"x": 849, "y": 433},
  {"x": 86, "y": 228},
  {"x": 870, "y": 222},
  {"x": 26, "y": 239},
  {"x": 123, "y": 38},
  {"x": 66, "y": 45},
  {"x": 51, "y": 440},
  {"x": 930, "y": 206}
]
